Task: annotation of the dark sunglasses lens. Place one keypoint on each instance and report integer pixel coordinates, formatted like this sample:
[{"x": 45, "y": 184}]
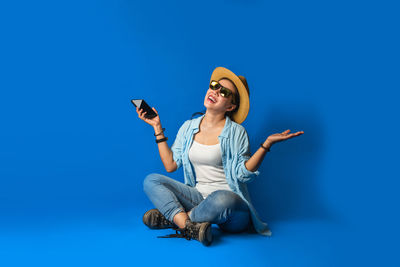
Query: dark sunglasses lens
[
  {"x": 214, "y": 85},
  {"x": 225, "y": 92}
]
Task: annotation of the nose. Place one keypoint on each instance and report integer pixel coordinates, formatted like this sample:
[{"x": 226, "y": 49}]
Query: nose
[{"x": 216, "y": 92}]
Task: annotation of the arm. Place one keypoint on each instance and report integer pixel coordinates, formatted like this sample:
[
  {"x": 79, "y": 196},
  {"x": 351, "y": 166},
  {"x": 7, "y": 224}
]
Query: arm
[
  {"x": 255, "y": 161},
  {"x": 172, "y": 158},
  {"x": 166, "y": 154}
]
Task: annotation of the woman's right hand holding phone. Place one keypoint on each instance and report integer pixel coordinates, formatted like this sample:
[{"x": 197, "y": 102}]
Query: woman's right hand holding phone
[{"x": 155, "y": 122}]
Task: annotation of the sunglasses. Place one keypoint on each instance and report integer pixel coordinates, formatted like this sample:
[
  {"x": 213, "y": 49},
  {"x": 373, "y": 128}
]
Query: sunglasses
[{"x": 225, "y": 92}]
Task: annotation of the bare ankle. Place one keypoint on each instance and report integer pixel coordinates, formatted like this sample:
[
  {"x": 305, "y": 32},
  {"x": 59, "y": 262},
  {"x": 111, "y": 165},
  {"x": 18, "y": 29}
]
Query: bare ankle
[{"x": 180, "y": 219}]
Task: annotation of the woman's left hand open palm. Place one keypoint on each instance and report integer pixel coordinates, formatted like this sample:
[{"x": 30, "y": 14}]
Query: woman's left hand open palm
[{"x": 278, "y": 137}]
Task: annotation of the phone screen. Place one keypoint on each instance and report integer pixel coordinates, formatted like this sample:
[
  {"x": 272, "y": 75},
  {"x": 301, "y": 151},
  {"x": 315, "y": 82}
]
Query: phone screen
[{"x": 141, "y": 104}]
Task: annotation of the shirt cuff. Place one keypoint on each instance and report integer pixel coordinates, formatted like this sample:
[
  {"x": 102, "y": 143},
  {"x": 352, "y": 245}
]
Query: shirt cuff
[
  {"x": 246, "y": 172},
  {"x": 178, "y": 161}
]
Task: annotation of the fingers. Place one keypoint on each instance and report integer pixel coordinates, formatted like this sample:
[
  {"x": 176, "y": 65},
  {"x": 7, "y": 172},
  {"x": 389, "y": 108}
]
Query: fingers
[
  {"x": 298, "y": 133},
  {"x": 141, "y": 114},
  {"x": 294, "y": 134},
  {"x": 287, "y": 132}
]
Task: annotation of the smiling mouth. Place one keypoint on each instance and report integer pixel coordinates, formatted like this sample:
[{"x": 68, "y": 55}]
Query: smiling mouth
[{"x": 211, "y": 99}]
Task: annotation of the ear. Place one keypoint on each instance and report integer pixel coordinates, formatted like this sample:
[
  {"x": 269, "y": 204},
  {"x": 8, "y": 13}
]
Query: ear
[{"x": 232, "y": 107}]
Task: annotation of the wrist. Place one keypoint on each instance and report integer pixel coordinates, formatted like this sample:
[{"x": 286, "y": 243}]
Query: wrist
[
  {"x": 267, "y": 143},
  {"x": 157, "y": 128}
]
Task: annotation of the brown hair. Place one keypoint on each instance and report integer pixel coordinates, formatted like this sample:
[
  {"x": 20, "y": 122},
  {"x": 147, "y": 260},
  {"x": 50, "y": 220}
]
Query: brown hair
[{"x": 237, "y": 99}]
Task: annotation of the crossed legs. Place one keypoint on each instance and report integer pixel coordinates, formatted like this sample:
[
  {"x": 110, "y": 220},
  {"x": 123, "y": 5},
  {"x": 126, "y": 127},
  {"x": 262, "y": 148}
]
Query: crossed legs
[{"x": 175, "y": 200}]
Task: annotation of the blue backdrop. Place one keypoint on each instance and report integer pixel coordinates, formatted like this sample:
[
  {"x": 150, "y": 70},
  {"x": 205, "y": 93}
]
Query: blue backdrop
[{"x": 73, "y": 153}]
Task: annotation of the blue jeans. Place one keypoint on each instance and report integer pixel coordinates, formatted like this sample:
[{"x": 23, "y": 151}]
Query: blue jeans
[{"x": 222, "y": 207}]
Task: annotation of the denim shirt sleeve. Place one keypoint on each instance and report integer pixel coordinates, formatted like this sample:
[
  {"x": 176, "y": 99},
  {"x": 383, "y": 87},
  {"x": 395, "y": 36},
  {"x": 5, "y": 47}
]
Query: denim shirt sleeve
[
  {"x": 177, "y": 146},
  {"x": 242, "y": 173}
]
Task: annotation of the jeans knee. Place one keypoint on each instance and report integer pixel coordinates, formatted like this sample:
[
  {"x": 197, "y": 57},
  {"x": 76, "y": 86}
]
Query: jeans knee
[
  {"x": 150, "y": 180},
  {"x": 225, "y": 199}
]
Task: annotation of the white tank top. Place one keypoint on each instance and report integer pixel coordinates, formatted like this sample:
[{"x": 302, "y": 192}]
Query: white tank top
[{"x": 209, "y": 171}]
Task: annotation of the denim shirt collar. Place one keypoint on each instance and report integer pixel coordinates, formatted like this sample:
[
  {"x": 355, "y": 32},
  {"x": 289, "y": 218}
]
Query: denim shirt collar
[{"x": 225, "y": 130}]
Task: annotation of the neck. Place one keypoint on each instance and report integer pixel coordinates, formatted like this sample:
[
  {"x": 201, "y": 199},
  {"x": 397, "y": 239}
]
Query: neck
[{"x": 212, "y": 120}]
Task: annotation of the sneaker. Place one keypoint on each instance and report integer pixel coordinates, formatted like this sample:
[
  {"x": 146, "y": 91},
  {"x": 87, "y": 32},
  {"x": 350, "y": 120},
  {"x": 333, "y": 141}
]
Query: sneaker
[
  {"x": 155, "y": 220},
  {"x": 198, "y": 231}
]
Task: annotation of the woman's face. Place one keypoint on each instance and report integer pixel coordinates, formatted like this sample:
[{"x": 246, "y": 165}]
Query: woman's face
[{"x": 214, "y": 101}]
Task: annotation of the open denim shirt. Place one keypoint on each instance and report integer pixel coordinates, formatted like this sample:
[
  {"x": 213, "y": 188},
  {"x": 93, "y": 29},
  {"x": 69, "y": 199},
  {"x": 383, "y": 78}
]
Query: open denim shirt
[{"x": 235, "y": 150}]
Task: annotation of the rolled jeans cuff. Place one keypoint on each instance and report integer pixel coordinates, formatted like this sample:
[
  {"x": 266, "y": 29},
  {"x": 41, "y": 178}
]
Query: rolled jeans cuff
[{"x": 172, "y": 214}]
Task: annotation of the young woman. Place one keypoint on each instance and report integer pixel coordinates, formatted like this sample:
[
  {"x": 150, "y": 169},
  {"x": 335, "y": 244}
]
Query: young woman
[{"x": 215, "y": 154}]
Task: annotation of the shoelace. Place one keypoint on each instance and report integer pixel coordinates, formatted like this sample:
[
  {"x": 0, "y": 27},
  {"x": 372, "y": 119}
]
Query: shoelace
[
  {"x": 161, "y": 221},
  {"x": 188, "y": 233},
  {"x": 165, "y": 222}
]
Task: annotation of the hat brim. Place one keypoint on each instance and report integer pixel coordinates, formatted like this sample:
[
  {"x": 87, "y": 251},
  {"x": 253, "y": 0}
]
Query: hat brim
[{"x": 240, "y": 115}]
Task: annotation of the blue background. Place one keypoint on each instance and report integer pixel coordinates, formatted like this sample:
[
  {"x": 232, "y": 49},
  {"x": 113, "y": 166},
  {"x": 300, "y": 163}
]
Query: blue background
[{"x": 73, "y": 153}]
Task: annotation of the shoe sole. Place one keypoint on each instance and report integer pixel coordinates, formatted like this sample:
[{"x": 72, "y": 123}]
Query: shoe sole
[{"x": 205, "y": 234}]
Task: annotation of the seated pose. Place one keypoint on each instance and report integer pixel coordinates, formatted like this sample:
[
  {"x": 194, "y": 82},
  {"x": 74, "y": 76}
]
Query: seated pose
[{"x": 214, "y": 151}]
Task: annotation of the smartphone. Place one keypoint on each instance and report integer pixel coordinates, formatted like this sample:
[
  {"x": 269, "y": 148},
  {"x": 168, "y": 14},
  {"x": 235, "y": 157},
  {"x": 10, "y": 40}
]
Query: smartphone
[{"x": 141, "y": 104}]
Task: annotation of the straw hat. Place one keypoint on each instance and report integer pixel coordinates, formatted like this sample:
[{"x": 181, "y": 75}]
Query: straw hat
[{"x": 241, "y": 84}]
